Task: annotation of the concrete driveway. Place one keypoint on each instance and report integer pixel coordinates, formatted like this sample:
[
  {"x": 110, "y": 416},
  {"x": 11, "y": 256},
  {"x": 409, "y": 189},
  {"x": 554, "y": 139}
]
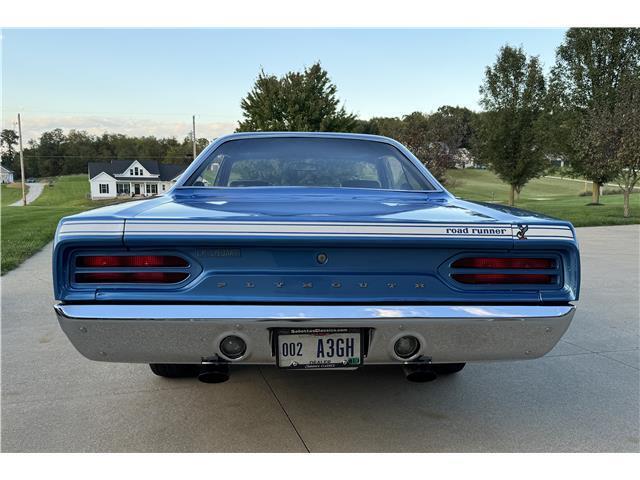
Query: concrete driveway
[
  {"x": 35, "y": 189},
  {"x": 584, "y": 396}
]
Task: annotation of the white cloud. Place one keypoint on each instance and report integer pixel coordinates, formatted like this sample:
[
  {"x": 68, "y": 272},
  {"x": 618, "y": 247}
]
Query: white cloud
[{"x": 33, "y": 126}]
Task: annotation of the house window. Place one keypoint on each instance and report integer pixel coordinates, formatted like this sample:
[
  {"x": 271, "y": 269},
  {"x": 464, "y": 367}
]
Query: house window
[
  {"x": 136, "y": 171},
  {"x": 123, "y": 188},
  {"x": 164, "y": 187},
  {"x": 152, "y": 189},
  {"x": 104, "y": 188},
  {"x": 131, "y": 171}
]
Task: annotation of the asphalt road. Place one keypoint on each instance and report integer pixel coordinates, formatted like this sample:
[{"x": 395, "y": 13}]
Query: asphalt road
[{"x": 583, "y": 396}]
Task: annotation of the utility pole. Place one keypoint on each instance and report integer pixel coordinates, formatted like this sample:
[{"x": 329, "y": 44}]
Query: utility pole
[
  {"x": 194, "y": 137},
  {"x": 24, "y": 192}
]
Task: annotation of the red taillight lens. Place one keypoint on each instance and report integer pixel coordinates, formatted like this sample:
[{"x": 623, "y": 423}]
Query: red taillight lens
[
  {"x": 98, "y": 261},
  {"x": 503, "y": 278},
  {"x": 131, "y": 277},
  {"x": 505, "y": 263}
]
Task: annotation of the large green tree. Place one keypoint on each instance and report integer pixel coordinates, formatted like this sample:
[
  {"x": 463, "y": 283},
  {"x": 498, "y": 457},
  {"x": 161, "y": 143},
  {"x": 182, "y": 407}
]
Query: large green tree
[
  {"x": 510, "y": 138},
  {"x": 624, "y": 130},
  {"x": 299, "y": 101},
  {"x": 594, "y": 68}
]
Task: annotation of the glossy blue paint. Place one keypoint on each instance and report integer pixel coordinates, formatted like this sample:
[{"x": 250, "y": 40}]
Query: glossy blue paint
[{"x": 373, "y": 237}]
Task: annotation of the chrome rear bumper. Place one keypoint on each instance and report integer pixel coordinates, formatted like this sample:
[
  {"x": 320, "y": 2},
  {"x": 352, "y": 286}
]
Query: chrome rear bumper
[{"x": 190, "y": 333}]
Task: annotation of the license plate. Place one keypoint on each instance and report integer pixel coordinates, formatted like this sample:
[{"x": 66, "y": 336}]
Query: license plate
[{"x": 319, "y": 347}]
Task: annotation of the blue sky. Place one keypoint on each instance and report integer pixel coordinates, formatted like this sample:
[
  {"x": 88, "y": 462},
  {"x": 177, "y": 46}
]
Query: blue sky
[{"x": 150, "y": 81}]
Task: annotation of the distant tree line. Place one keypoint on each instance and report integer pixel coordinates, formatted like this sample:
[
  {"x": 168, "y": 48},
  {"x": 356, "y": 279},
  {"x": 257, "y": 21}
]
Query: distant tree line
[{"x": 58, "y": 153}]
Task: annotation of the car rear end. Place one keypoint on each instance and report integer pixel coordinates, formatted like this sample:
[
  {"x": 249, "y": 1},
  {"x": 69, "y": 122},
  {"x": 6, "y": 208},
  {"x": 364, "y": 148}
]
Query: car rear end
[{"x": 313, "y": 294}]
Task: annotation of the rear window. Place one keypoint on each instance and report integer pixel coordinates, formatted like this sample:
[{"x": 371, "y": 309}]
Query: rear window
[{"x": 309, "y": 162}]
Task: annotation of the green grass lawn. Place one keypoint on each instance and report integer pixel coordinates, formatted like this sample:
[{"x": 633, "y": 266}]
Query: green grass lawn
[
  {"x": 68, "y": 191},
  {"x": 11, "y": 193},
  {"x": 553, "y": 197},
  {"x": 25, "y": 230}
]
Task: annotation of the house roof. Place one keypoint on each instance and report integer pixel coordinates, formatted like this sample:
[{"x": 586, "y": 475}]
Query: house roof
[
  {"x": 169, "y": 171},
  {"x": 165, "y": 171},
  {"x": 6, "y": 170}
]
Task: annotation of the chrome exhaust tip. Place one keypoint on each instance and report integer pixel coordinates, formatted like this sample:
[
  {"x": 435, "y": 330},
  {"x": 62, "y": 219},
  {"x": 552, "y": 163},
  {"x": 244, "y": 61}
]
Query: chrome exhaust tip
[
  {"x": 419, "y": 373},
  {"x": 214, "y": 373}
]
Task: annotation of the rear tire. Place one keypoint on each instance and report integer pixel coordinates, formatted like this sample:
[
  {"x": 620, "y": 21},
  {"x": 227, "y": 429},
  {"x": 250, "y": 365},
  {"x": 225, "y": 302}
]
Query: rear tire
[
  {"x": 447, "y": 368},
  {"x": 175, "y": 370}
]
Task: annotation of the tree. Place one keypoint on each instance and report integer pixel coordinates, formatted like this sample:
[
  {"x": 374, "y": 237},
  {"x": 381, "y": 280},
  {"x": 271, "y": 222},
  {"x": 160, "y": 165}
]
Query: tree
[
  {"x": 8, "y": 141},
  {"x": 593, "y": 68},
  {"x": 58, "y": 153},
  {"x": 510, "y": 133},
  {"x": 51, "y": 150},
  {"x": 625, "y": 130},
  {"x": 418, "y": 135},
  {"x": 433, "y": 139},
  {"x": 454, "y": 126},
  {"x": 299, "y": 101}
]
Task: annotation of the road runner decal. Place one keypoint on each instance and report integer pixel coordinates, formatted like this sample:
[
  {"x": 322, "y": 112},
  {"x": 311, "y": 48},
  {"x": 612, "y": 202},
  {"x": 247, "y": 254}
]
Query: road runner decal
[{"x": 464, "y": 231}]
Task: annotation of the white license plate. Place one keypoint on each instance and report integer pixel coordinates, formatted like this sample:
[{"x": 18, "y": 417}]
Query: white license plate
[{"x": 319, "y": 348}]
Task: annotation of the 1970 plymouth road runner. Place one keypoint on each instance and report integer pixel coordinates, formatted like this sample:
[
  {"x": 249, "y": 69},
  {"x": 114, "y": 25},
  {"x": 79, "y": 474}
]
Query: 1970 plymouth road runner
[{"x": 312, "y": 251}]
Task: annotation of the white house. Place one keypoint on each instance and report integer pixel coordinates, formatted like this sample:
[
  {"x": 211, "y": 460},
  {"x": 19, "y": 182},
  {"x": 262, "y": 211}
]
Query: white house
[
  {"x": 464, "y": 159},
  {"x": 131, "y": 178},
  {"x": 7, "y": 175}
]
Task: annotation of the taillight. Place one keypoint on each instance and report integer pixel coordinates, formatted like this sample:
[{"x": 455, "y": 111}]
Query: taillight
[
  {"x": 131, "y": 277},
  {"x": 483, "y": 274},
  {"x": 98, "y": 261},
  {"x": 118, "y": 269},
  {"x": 503, "y": 278},
  {"x": 505, "y": 263}
]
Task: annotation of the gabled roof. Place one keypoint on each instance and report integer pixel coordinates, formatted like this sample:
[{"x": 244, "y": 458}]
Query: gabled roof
[
  {"x": 5, "y": 169},
  {"x": 165, "y": 171},
  {"x": 170, "y": 171}
]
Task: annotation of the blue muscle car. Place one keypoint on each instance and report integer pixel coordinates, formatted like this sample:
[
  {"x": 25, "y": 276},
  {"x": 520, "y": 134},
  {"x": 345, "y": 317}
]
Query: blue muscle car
[{"x": 312, "y": 251}]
